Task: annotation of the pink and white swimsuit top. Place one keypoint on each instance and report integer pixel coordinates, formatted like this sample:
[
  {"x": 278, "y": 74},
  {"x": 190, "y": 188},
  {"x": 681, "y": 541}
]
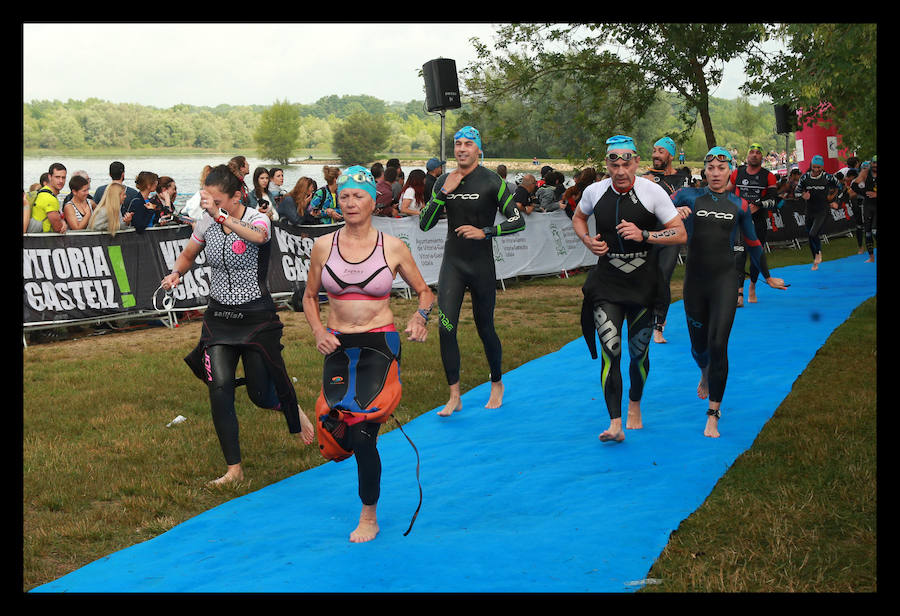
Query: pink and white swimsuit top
[{"x": 369, "y": 279}]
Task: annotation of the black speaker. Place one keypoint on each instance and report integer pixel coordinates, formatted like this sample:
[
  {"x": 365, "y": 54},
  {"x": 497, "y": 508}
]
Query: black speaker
[
  {"x": 785, "y": 120},
  {"x": 441, "y": 86}
]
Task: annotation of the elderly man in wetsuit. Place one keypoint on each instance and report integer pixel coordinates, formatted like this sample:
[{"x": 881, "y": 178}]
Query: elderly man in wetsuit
[
  {"x": 629, "y": 212},
  {"x": 470, "y": 195}
]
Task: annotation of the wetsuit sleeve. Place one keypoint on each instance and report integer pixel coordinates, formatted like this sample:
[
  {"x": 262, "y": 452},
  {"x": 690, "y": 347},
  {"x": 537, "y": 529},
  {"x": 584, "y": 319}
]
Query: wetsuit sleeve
[
  {"x": 431, "y": 213},
  {"x": 801, "y": 187},
  {"x": 770, "y": 194},
  {"x": 751, "y": 242},
  {"x": 506, "y": 205}
]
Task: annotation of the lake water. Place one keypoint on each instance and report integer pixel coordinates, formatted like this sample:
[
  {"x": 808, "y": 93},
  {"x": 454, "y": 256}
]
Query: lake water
[{"x": 184, "y": 169}]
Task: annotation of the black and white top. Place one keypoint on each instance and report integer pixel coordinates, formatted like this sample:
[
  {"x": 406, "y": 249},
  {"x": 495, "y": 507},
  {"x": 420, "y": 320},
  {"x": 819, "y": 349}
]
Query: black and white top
[{"x": 238, "y": 268}]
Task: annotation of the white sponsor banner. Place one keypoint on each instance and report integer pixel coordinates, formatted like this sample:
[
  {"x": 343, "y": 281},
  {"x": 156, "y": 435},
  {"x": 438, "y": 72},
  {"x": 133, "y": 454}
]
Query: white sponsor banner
[{"x": 547, "y": 244}]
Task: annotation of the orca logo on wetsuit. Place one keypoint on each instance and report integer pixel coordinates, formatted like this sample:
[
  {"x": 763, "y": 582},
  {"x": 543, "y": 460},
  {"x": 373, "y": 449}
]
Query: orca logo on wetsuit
[
  {"x": 463, "y": 196},
  {"x": 705, "y": 213}
]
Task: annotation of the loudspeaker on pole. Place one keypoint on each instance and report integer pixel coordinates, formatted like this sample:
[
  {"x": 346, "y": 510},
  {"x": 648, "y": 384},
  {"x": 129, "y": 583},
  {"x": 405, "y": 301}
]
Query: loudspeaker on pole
[
  {"x": 785, "y": 120},
  {"x": 441, "y": 85}
]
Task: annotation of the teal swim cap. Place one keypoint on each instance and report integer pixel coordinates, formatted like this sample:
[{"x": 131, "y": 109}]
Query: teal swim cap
[
  {"x": 469, "y": 132},
  {"x": 357, "y": 176},
  {"x": 620, "y": 142},
  {"x": 817, "y": 160},
  {"x": 667, "y": 143},
  {"x": 719, "y": 153}
]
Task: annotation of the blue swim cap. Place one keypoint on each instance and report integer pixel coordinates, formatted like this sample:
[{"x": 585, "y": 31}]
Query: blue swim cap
[
  {"x": 817, "y": 160},
  {"x": 469, "y": 133},
  {"x": 667, "y": 143},
  {"x": 620, "y": 142},
  {"x": 719, "y": 151},
  {"x": 357, "y": 176}
]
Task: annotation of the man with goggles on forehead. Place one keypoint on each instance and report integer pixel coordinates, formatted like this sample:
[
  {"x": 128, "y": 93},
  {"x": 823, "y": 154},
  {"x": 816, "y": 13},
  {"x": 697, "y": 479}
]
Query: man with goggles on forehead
[
  {"x": 628, "y": 212},
  {"x": 663, "y": 172},
  {"x": 759, "y": 187},
  {"x": 470, "y": 195},
  {"x": 714, "y": 216}
]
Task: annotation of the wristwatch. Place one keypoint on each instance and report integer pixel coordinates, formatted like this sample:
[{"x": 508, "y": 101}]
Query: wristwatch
[
  {"x": 222, "y": 216},
  {"x": 645, "y": 234}
]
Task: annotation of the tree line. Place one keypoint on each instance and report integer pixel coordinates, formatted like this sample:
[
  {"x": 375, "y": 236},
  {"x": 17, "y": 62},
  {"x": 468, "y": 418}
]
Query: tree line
[{"x": 338, "y": 123}]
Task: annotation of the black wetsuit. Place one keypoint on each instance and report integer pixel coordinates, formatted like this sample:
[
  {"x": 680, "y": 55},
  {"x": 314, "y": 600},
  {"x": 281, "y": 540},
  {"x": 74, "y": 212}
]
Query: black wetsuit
[
  {"x": 624, "y": 284},
  {"x": 817, "y": 205},
  {"x": 869, "y": 209},
  {"x": 709, "y": 304},
  {"x": 668, "y": 255},
  {"x": 761, "y": 190},
  {"x": 469, "y": 263},
  {"x": 240, "y": 322}
]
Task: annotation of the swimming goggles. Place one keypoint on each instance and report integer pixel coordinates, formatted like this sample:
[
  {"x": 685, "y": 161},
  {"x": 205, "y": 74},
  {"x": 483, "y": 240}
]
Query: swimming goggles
[
  {"x": 755, "y": 146},
  {"x": 612, "y": 156},
  {"x": 468, "y": 132},
  {"x": 360, "y": 177},
  {"x": 719, "y": 157}
]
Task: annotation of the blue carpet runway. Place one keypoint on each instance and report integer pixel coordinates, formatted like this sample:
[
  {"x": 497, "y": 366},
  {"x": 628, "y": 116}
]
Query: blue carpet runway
[{"x": 535, "y": 504}]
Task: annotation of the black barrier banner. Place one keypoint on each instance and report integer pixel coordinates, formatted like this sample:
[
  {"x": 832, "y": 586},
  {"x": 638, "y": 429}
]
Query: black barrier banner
[{"x": 83, "y": 276}]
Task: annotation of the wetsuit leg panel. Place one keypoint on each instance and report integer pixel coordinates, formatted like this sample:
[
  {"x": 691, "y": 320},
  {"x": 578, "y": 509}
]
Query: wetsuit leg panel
[
  {"x": 668, "y": 258},
  {"x": 484, "y": 300},
  {"x": 260, "y": 384},
  {"x": 814, "y": 227},
  {"x": 451, "y": 288},
  {"x": 362, "y": 439},
  {"x": 608, "y": 320},
  {"x": 640, "y": 331},
  {"x": 221, "y": 361}
]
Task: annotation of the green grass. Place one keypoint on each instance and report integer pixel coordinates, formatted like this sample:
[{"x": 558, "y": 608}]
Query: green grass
[{"x": 102, "y": 472}]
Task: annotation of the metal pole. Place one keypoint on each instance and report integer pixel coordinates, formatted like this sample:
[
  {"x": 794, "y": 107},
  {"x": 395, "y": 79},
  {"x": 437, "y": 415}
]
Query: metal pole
[{"x": 443, "y": 144}]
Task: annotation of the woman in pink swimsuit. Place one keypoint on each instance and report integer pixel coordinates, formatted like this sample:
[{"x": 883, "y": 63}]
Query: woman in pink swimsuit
[{"x": 361, "y": 377}]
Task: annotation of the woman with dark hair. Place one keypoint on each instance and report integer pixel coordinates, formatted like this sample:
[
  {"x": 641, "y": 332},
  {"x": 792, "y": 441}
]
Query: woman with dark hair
[
  {"x": 144, "y": 211},
  {"x": 240, "y": 322},
  {"x": 260, "y": 198},
  {"x": 164, "y": 199},
  {"x": 78, "y": 210},
  {"x": 412, "y": 197},
  {"x": 240, "y": 167}
]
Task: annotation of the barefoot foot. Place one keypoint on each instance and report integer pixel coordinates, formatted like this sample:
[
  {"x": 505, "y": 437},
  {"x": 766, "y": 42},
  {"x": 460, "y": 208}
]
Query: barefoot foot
[
  {"x": 234, "y": 474},
  {"x": 712, "y": 427},
  {"x": 495, "y": 400},
  {"x": 453, "y": 404},
  {"x": 614, "y": 433},
  {"x": 703, "y": 386},
  {"x": 634, "y": 422},
  {"x": 751, "y": 294},
  {"x": 368, "y": 526}
]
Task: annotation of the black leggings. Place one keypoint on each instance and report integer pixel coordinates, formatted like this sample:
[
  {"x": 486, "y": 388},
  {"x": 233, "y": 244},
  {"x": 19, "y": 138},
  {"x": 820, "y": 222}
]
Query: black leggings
[
  {"x": 759, "y": 225},
  {"x": 608, "y": 319},
  {"x": 361, "y": 439},
  {"x": 455, "y": 278},
  {"x": 709, "y": 307},
  {"x": 814, "y": 225},
  {"x": 668, "y": 258},
  {"x": 870, "y": 226},
  {"x": 221, "y": 364}
]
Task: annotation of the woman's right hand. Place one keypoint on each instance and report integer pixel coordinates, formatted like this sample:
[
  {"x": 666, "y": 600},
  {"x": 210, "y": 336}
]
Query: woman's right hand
[
  {"x": 171, "y": 281},
  {"x": 326, "y": 342}
]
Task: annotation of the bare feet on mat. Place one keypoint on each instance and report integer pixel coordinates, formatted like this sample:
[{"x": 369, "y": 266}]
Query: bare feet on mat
[
  {"x": 703, "y": 386},
  {"x": 495, "y": 401},
  {"x": 614, "y": 433},
  {"x": 634, "y": 416},
  {"x": 712, "y": 427},
  {"x": 368, "y": 526},
  {"x": 453, "y": 404},
  {"x": 751, "y": 294}
]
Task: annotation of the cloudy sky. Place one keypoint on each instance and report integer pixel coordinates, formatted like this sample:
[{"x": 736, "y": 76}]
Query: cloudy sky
[{"x": 240, "y": 64}]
